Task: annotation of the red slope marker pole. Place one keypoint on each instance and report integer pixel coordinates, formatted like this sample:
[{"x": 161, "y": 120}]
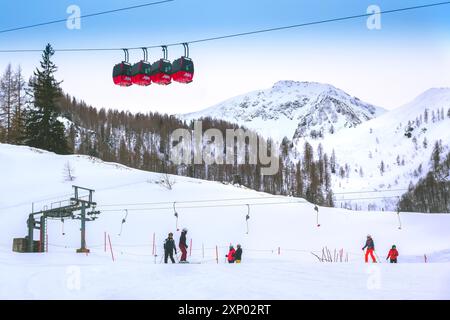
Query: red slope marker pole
[{"x": 110, "y": 247}]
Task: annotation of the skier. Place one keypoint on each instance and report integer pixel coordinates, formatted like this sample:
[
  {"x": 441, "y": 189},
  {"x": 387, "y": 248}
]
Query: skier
[
  {"x": 238, "y": 254},
  {"x": 230, "y": 255},
  {"x": 169, "y": 248},
  {"x": 370, "y": 249},
  {"x": 393, "y": 254},
  {"x": 183, "y": 245}
]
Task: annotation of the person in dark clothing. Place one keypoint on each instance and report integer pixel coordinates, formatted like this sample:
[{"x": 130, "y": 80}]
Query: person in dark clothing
[
  {"x": 238, "y": 254},
  {"x": 370, "y": 245},
  {"x": 183, "y": 245},
  {"x": 169, "y": 248},
  {"x": 393, "y": 254}
]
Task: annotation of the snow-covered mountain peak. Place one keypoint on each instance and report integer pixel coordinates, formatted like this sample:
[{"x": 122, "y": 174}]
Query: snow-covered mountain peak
[
  {"x": 303, "y": 86},
  {"x": 293, "y": 109},
  {"x": 432, "y": 98}
]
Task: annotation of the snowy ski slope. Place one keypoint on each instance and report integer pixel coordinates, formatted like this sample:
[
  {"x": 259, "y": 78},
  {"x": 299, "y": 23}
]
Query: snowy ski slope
[{"x": 30, "y": 175}]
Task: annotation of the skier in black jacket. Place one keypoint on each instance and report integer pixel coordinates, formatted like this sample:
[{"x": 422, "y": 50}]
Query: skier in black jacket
[
  {"x": 238, "y": 254},
  {"x": 169, "y": 248},
  {"x": 370, "y": 245}
]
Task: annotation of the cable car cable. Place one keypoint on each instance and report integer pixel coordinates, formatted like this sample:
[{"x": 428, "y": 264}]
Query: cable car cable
[
  {"x": 241, "y": 34},
  {"x": 84, "y": 16}
]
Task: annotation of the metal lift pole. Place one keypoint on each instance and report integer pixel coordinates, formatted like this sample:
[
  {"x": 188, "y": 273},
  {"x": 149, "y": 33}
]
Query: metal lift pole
[
  {"x": 30, "y": 243},
  {"x": 38, "y": 221},
  {"x": 42, "y": 233},
  {"x": 83, "y": 248}
]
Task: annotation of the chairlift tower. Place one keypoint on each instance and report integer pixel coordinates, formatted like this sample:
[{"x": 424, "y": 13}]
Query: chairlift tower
[{"x": 77, "y": 209}]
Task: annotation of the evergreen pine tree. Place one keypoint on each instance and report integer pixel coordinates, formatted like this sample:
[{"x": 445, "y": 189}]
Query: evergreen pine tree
[
  {"x": 436, "y": 156},
  {"x": 43, "y": 129}
]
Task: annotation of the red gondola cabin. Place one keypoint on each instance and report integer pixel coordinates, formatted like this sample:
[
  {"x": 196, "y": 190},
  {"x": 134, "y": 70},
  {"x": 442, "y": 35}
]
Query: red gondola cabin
[
  {"x": 122, "y": 74},
  {"x": 183, "y": 70},
  {"x": 141, "y": 73},
  {"x": 162, "y": 72}
]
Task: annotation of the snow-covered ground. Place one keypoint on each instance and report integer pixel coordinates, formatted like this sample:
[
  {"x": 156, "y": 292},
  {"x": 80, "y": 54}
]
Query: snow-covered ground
[{"x": 276, "y": 223}]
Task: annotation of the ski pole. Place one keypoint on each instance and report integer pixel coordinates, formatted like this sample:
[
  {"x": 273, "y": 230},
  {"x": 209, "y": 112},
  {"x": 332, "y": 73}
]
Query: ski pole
[{"x": 379, "y": 261}]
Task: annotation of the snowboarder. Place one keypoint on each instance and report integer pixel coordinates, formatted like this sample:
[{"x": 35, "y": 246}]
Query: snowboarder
[
  {"x": 183, "y": 245},
  {"x": 393, "y": 254},
  {"x": 169, "y": 248},
  {"x": 370, "y": 249},
  {"x": 238, "y": 254},
  {"x": 230, "y": 255}
]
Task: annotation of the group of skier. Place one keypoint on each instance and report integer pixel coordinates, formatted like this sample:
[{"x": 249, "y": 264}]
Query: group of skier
[
  {"x": 234, "y": 255},
  {"x": 370, "y": 245},
  {"x": 170, "y": 247}
]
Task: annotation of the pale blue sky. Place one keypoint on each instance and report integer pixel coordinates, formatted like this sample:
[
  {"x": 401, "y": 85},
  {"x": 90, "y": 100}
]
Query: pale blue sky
[{"x": 387, "y": 67}]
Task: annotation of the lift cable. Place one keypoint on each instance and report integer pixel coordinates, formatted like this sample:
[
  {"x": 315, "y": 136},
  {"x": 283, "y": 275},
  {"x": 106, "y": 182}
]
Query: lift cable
[
  {"x": 239, "y": 204},
  {"x": 191, "y": 201},
  {"x": 371, "y": 191},
  {"x": 84, "y": 16},
  {"x": 249, "y": 198},
  {"x": 241, "y": 34},
  {"x": 368, "y": 198},
  {"x": 205, "y": 206}
]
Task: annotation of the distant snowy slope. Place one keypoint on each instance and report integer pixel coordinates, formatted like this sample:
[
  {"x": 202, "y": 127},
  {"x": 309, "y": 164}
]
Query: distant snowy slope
[
  {"x": 290, "y": 108},
  {"x": 383, "y": 139}
]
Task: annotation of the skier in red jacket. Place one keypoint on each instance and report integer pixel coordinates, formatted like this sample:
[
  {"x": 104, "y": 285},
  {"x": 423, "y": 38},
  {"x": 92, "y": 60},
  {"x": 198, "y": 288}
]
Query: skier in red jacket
[
  {"x": 230, "y": 255},
  {"x": 393, "y": 254}
]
